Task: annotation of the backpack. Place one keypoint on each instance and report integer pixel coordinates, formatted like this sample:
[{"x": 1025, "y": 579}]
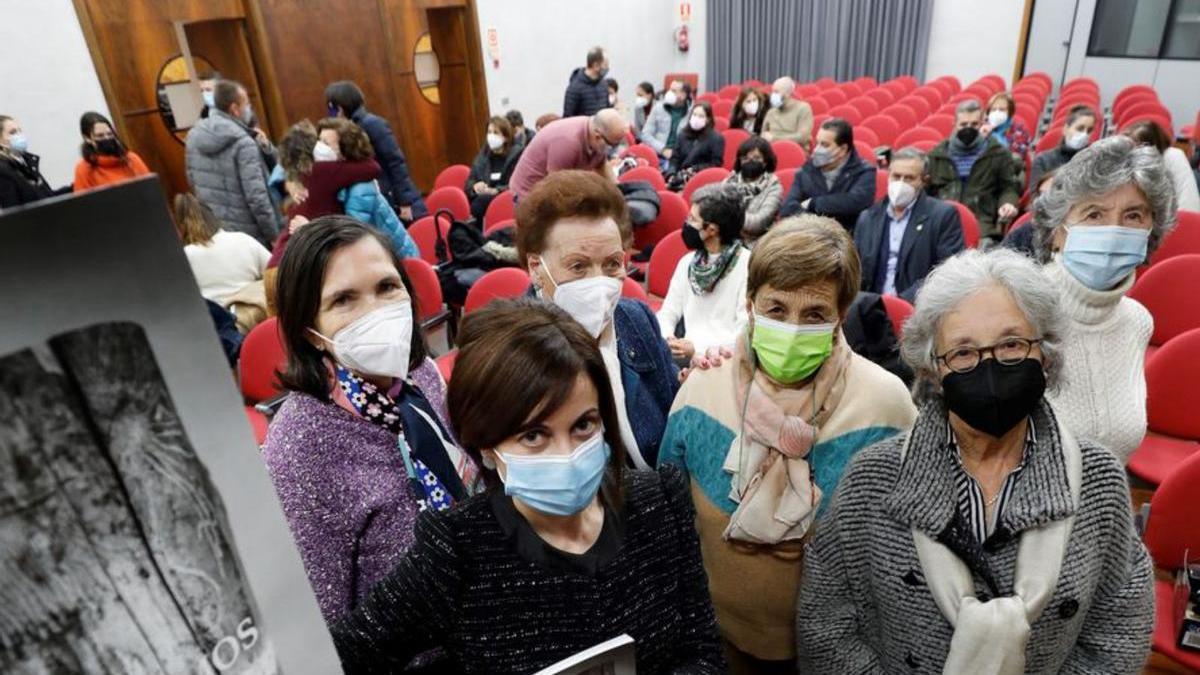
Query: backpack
[
  {"x": 642, "y": 200},
  {"x": 463, "y": 258},
  {"x": 869, "y": 333}
]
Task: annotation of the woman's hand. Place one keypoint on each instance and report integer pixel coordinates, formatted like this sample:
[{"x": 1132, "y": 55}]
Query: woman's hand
[
  {"x": 712, "y": 358},
  {"x": 1007, "y": 212},
  {"x": 480, "y": 188},
  {"x": 681, "y": 348},
  {"x": 296, "y": 223},
  {"x": 296, "y": 191}
]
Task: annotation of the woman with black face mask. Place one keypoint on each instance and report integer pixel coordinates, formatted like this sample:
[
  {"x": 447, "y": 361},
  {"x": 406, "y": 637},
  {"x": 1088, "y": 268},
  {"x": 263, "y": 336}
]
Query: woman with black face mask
[
  {"x": 106, "y": 160},
  {"x": 762, "y": 193},
  {"x": 989, "y": 539}
]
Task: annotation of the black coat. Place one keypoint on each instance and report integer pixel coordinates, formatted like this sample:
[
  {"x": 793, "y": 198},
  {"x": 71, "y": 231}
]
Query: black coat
[
  {"x": 933, "y": 234},
  {"x": 481, "y": 168},
  {"x": 852, "y": 192},
  {"x": 704, "y": 150},
  {"x": 395, "y": 182},
  {"x": 22, "y": 183},
  {"x": 584, "y": 96}
]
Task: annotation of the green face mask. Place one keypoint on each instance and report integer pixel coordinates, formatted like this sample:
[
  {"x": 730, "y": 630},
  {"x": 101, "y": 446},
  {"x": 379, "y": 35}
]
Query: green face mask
[{"x": 787, "y": 352}]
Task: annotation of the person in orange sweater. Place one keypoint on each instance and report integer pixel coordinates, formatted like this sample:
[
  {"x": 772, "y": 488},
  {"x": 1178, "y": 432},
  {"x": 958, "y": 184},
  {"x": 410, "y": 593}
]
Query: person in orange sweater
[{"x": 106, "y": 160}]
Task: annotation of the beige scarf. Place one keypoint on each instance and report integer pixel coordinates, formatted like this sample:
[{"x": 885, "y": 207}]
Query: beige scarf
[{"x": 771, "y": 480}]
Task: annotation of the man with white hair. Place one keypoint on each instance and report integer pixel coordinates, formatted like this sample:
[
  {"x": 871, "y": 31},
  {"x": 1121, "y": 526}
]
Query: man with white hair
[
  {"x": 572, "y": 143},
  {"x": 788, "y": 119}
]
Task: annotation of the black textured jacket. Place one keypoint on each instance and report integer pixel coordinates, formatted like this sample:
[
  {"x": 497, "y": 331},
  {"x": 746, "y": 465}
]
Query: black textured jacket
[
  {"x": 464, "y": 587},
  {"x": 584, "y": 96},
  {"x": 21, "y": 183}
]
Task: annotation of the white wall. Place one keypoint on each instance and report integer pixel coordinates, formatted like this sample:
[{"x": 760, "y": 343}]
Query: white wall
[
  {"x": 47, "y": 80},
  {"x": 542, "y": 41},
  {"x": 972, "y": 38}
]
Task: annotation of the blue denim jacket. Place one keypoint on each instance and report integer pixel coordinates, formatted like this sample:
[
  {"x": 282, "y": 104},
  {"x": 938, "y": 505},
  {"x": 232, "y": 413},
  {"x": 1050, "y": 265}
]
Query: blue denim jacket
[{"x": 648, "y": 374}]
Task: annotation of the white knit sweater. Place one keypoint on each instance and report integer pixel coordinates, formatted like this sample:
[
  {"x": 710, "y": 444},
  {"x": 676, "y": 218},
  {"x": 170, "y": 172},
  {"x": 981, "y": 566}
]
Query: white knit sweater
[{"x": 1102, "y": 388}]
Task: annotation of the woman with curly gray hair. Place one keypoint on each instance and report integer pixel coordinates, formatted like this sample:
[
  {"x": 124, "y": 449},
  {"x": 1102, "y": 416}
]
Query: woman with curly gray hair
[
  {"x": 1107, "y": 211},
  {"x": 987, "y": 540}
]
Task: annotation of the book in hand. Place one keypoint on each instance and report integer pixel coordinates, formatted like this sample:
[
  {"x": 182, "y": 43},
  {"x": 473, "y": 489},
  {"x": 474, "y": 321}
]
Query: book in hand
[{"x": 614, "y": 657}]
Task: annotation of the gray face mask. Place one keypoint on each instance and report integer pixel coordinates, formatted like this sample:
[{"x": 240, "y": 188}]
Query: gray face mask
[
  {"x": 821, "y": 157},
  {"x": 247, "y": 115}
]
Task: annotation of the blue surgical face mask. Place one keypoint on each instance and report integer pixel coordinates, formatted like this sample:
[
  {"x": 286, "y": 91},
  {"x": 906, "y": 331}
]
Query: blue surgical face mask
[
  {"x": 1102, "y": 256},
  {"x": 210, "y": 99},
  {"x": 560, "y": 485},
  {"x": 19, "y": 142}
]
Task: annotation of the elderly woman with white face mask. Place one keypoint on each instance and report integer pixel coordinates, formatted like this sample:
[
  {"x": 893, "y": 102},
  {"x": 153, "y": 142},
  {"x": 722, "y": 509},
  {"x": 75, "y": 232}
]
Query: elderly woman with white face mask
[
  {"x": 766, "y": 434},
  {"x": 571, "y": 234},
  {"x": 1106, "y": 212},
  {"x": 989, "y": 539}
]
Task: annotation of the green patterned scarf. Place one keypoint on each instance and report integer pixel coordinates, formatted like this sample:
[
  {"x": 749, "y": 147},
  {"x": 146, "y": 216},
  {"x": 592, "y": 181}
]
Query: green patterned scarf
[{"x": 706, "y": 270}]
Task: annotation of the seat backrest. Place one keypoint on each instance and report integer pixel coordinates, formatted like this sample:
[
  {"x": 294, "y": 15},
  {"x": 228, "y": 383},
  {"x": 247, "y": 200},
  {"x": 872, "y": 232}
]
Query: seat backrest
[
  {"x": 713, "y": 174},
  {"x": 1173, "y": 527},
  {"x": 903, "y": 114},
  {"x": 786, "y": 177},
  {"x": 733, "y": 140},
  {"x": 451, "y": 198},
  {"x": 818, "y": 104},
  {"x": 909, "y": 136},
  {"x": 424, "y": 234},
  {"x": 729, "y": 92},
  {"x": 886, "y": 129},
  {"x": 722, "y": 107},
  {"x": 500, "y": 225},
  {"x": 882, "y": 96},
  {"x": 454, "y": 175},
  {"x": 1168, "y": 291},
  {"x": 834, "y": 97},
  {"x": 1119, "y": 108},
  {"x": 866, "y": 151},
  {"x": 866, "y": 106},
  {"x": 634, "y": 291},
  {"x": 898, "y": 310},
  {"x": 846, "y": 112},
  {"x": 672, "y": 211},
  {"x": 721, "y": 123},
  {"x": 1051, "y": 138},
  {"x": 263, "y": 354},
  {"x": 970, "y": 224},
  {"x": 1140, "y": 108},
  {"x": 881, "y": 183},
  {"x": 663, "y": 261},
  {"x": 426, "y": 287},
  {"x": 921, "y": 107},
  {"x": 500, "y": 208},
  {"x": 788, "y": 154},
  {"x": 1183, "y": 239},
  {"x": 710, "y": 96},
  {"x": 940, "y": 123},
  {"x": 930, "y": 95},
  {"x": 643, "y": 152},
  {"x": 506, "y": 282},
  {"x": 649, "y": 174},
  {"x": 1172, "y": 407},
  {"x": 1158, "y": 118},
  {"x": 868, "y": 137}
]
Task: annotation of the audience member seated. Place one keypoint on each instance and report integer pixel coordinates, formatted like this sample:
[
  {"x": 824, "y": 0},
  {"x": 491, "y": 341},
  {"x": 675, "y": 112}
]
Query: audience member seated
[
  {"x": 225, "y": 166},
  {"x": 228, "y": 266},
  {"x": 766, "y": 435},
  {"x": 835, "y": 181},
  {"x": 571, "y": 231},
  {"x": 665, "y": 120},
  {"x": 1008, "y": 131},
  {"x": 20, "y": 180},
  {"x": 587, "y": 93},
  {"x": 788, "y": 119},
  {"x": 106, "y": 160},
  {"x": 1106, "y": 212},
  {"x": 643, "y": 104},
  {"x": 749, "y": 111},
  {"x": 1076, "y": 134},
  {"x": 762, "y": 193},
  {"x": 1020, "y": 238},
  {"x": 708, "y": 289},
  {"x": 493, "y": 166},
  {"x": 906, "y": 234},
  {"x": 950, "y": 542},
  {"x": 976, "y": 171},
  {"x": 521, "y": 134},
  {"x": 360, "y": 446},
  {"x": 1179, "y": 169},
  {"x": 544, "y": 121},
  {"x": 565, "y": 547},
  {"x": 345, "y": 99},
  {"x": 576, "y": 143},
  {"x": 697, "y": 147},
  {"x": 614, "y": 100}
]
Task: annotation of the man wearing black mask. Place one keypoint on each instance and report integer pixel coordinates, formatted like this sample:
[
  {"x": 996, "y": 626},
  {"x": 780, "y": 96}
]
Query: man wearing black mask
[{"x": 975, "y": 170}]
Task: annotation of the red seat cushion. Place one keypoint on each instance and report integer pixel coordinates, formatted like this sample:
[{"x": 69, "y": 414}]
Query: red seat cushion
[
  {"x": 1158, "y": 455},
  {"x": 258, "y": 423},
  {"x": 1166, "y": 629}
]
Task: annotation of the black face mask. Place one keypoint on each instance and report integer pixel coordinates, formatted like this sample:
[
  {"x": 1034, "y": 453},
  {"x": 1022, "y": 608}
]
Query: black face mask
[
  {"x": 993, "y": 398},
  {"x": 108, "y": 146},
  {"x": 691, "y": 237},
  {"x": 967, "y": 135},
  {"x": 752, "y": 169}
]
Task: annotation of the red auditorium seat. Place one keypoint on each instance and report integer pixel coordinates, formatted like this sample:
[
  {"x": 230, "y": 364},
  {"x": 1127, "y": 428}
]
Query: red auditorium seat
[
  {"x": 427, "y": 289},
  {"x": 866, "y": 151},
  {"x": 723, "y": 107},
  {"x": 672, "y": 211},
  {"x": 1172, "y": 409},
  {"x": 995, "y": 82},
  {"x": 506, "y": 282},
  {"x": 978, "y": 92},
  {"x": 451, "y": 198},
  {"x": 881, "y": 183},
  {"x": 709, "y": 96},
  {"x": 733, "y": 140},
  {"x": 788, "y": 154},
  {"x": 757, "y": 84},
  {"x": 500, "y": 225},
  {"x": 721, "y": 124},
  {"x": 663, "y": 261},
  {"x": 903, "y": 114},
  {"x": 825, "y": 83},
  {"x": 715, "y": 174},
  {"x": 882, "y": 97},
  {"x": 1183, "y": 239},
  {"x": 804, "y": 91},
  {"x": 500, "y": 208},
  {"x": 1141, "y": 109},
  {"x": 1133, "y": 90},
  {"x": 970, "y": 224},
  {"x": 1119, "y": 109},
  {"x": 729, "y": 92},
  {"x": 865, "y": 106},
  {"x": 851, "y": 90},
  {"x": 955, "y": 86},
  {"x": 445, "y": 364},
  {"x": 931, "y": 96},
  {"x": 846, "y": 112},
  {"x": 1039, "y": 79},
  {"x": 643, "y": 152},
  {"x": 867, "y": 136},
  {"x": 918, "y": 134},
  {"x": 263, "y": 353},
  {"x": 895, "y": 88},
  {"x": 886, "y": 129},
  {"x": 454, "y": 175},
  {"x": 943, "y": 124},
  {"x": 1081, "y": 83},
  {"x": 786, "y": 176},
  {"x": 634, "y": 291},
  {"x": 1173, "y": 533},
  {"x": 834, "y": 96},
  {"x": 946, "y": 89},
  {"x": 818, "y": 104},
  {"x": 924, "y": 145},
  {"x": 898, "y": 310},
  {"x": 1049, "y": 139},
  {"x": 1168, "y": 290},
  {"x": 1021, "y": 220},
  {"x": 650, "y": 174},
  {"x": 424, "y": 235},
  {"x": 866, "y": 82},
  {"x": 1161, "y": 120}
]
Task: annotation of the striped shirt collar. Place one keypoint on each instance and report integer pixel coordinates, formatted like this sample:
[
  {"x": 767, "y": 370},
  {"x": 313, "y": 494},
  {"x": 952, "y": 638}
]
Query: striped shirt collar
[{"x": 971, "y": 501}]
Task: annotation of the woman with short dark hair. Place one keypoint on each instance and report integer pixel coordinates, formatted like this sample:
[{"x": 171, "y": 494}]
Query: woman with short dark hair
[
  {"x": 361, "y": 445},
  {"x": 754, "y": 177},
  {"x": 106, "y": 160},
  {"x": 566, "y": 549}
]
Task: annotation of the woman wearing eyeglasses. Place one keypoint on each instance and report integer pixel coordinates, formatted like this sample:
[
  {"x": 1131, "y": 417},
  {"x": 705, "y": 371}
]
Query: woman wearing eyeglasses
[{"x": 989, "y": 539}]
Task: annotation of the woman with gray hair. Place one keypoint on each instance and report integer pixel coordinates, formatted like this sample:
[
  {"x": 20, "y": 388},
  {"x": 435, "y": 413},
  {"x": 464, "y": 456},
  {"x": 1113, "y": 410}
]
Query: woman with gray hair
[
  {"x": 1105, "y": 213},
  {"x": 987, "y": 540}
]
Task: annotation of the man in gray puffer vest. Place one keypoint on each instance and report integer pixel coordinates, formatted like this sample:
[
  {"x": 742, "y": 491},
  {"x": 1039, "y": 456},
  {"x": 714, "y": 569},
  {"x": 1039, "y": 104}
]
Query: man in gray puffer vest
[{"x": 226, "y": 169}]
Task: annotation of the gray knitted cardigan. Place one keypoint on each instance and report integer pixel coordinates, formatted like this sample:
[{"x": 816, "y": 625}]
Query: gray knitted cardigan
[{"x": 864, "y": 606}]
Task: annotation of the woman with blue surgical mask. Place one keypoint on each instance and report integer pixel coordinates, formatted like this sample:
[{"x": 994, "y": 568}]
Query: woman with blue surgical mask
[
  {"x": 566, "y": 549},
  {"x": 571, "y": 234},
  {"x": 20, "y": 180},
  {"x": 1106, "y": 212}
]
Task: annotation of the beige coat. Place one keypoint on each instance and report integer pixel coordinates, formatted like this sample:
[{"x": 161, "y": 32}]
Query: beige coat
[{"x": 791, "y": 122}]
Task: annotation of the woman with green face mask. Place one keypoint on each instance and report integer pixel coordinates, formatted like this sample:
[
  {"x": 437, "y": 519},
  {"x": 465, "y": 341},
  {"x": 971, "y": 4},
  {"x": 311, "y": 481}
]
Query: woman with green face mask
[{"x": 766, "y": 435}]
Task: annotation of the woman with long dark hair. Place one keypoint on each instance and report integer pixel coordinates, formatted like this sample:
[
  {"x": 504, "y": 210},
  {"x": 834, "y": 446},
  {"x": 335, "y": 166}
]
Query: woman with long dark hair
[{"x": 105, "y": 160}]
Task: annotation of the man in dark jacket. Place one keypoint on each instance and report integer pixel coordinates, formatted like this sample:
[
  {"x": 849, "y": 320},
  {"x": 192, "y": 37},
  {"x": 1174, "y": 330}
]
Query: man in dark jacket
[
  {"x": 835, "y": 181},
  {"x": 908, "y": 233},
  {"x": 345, "y": 99},
  {"x": 975, "y": 170},
  {"x": 587, "y": 92}
]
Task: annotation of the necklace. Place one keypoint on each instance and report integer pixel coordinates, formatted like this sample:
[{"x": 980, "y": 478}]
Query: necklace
[{"x": 991, "y": 502}]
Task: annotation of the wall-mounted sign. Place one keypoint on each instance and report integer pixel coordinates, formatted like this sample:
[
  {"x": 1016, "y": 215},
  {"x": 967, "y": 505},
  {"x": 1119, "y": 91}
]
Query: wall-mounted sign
[
  {"x": 685, "y": 11},
  {"x": 493, "y": 47}
]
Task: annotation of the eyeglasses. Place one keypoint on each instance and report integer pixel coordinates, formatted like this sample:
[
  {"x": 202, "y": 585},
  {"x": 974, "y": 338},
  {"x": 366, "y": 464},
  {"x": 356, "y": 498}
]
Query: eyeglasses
[{"x": 1008, "y": 352}]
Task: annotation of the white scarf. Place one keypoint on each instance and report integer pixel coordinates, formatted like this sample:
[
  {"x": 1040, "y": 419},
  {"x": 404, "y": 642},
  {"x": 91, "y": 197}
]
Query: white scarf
[{"x": 990, "y": 637}]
